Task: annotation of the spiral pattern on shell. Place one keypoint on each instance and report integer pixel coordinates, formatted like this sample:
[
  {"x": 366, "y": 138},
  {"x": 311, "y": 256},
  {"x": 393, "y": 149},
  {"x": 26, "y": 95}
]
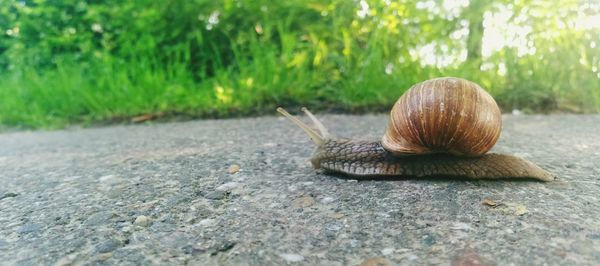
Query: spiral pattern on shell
[{"x": 443, "y": 115}]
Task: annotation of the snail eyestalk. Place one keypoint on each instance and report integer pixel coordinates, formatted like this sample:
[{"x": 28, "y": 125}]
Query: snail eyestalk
[
  {"x": 315, "y": 136},
  {"x": 322, "y": 129}
]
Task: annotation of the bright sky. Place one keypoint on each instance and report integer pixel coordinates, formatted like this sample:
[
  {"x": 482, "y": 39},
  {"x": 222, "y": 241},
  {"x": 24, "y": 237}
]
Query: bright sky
[{"x": 498, "y": 33}]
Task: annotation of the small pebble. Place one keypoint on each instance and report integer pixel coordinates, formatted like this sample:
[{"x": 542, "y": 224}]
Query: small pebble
[
  {"x": 110, "y": 179},
  {"x": 171, "y": 183},
  {"x": 206, "y": 222},
  {"x": 216, "y": 195},
  {"x": 8, "y": 195},
  {"x": 234, "y": 168},
  {"x": 303, "y": 202},
  {"x": 101, "y": 217},
  {"x": 61, "y": 220},
  {"x": 510, "y": 208},
  {"x": 469, "y": 258},
  {"x": 337, "y": 215},
  {"x": 108, "y": 246},
  {"x": 142, "y": 220},
  {"x": 327, "y": 200},
  {"x": 375, "y": 262},
  {"x": 354, "y": 243},
  {"x": 335, "y": 226},
  {"x": 223, "y": 245},
  {"x": 461, "y": 226},
  {"x": 228, "y": 186},
  {"x": 67, "y": 260},
  {"x": 270, "y": 144},
  {"x": 292, "y": 257},
  {"x": 387, "y": 251},
  {"x": 489, "y": 202},
  {"x": 428, "y": 240},
  {"x": 29, "y": 228},
  {"x": 561, "y": 252},
  {"x": 103, "y": 256}
]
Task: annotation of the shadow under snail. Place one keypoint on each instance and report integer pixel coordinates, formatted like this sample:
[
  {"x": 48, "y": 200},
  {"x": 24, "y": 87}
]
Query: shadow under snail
[{"x": 441, "y": 127}]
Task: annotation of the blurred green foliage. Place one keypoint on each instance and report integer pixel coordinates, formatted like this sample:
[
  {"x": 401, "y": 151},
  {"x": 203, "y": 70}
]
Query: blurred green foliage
[{"x": 90, "y": 60}]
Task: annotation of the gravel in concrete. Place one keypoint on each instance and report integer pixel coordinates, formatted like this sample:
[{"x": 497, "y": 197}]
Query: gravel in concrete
[{"x": 74, "y": 196}]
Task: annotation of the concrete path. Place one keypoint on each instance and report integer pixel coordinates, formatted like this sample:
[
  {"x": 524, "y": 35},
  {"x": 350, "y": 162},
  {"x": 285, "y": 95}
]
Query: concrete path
[{"x": 164, "y": 194}]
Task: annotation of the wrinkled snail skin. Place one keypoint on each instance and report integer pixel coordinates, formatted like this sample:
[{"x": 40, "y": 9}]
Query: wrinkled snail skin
[
  {"x": 363, "y": 159},
  {"x": 439, "y": 127}
]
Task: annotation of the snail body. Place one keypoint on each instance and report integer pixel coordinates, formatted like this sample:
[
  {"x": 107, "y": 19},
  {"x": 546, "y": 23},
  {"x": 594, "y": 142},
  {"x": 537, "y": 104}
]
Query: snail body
[
  {"x": 439, "y": 127},
  {"x": 370, "y": 159}
]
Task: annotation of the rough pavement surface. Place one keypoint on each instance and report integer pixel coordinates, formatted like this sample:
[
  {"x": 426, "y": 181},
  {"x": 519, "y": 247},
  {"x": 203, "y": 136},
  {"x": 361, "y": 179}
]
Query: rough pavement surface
[{"x": 172, "y": 194}]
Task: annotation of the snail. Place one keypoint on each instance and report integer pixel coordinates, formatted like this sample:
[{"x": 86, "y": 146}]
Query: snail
[{"x": 441, "y": 127}]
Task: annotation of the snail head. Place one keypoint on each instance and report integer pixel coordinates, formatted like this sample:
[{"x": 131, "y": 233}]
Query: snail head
[{"x": 319, "y": 134}]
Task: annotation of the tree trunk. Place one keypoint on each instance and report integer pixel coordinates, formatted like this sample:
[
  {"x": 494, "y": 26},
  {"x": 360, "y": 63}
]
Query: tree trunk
[{"x": 474, "y": 13}]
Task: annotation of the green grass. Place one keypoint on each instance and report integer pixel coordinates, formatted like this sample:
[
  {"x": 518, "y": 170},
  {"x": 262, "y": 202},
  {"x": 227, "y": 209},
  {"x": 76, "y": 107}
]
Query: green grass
[{"x": 116, "y": 90}]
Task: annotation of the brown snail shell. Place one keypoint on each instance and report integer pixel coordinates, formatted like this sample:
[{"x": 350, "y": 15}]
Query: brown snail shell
[{"x": 443, "y": 115}]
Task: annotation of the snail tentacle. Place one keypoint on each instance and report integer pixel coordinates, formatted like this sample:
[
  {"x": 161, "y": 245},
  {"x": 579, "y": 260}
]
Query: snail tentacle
[
  {"x": 316, "y": 137},
  {"x": 320, "y": 127}
]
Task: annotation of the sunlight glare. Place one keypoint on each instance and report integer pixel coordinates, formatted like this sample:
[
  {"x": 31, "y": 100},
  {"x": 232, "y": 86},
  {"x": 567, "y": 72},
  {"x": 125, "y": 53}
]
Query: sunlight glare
[
  {"x": 587, "y": 22},
  {"x": 499, "y": 33}
]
